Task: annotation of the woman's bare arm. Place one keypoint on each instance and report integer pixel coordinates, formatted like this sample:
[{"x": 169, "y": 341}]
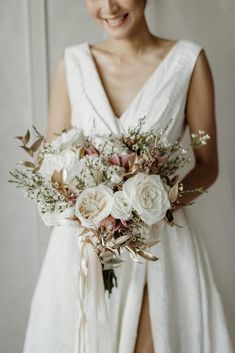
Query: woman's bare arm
[
  {"x": 200, "y": 115},
  {"x": 59, "y": 111}
]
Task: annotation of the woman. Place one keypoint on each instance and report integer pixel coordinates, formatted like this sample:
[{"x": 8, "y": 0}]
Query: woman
[{"x": 169, "y": 306}]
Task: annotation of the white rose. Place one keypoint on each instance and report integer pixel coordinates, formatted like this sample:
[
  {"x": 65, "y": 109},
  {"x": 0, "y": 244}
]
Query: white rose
[
  {"x": 93, "y": 205},
  {"x": 68, "y": 138},
  {"x": 121, "y": 206},
  {"x": 90, "y": 170},
  {"x": 148, "y": 197},
  {"x": 57, "y": 161}
]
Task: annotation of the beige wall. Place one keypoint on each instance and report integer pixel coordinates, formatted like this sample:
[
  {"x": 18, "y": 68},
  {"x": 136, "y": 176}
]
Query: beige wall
[{"x": 33, "y": 34}]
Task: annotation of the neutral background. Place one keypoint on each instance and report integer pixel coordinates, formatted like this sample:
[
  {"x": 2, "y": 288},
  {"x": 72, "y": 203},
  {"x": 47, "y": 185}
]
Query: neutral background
[{"x": 33, "y": 34}]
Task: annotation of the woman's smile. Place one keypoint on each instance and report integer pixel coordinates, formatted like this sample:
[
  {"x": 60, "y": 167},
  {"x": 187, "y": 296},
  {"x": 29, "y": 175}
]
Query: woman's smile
[{"x": 116, "y": 21}]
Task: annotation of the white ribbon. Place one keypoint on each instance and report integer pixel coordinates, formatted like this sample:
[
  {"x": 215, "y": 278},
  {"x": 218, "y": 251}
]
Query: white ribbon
[{"x": 94, "y": 329}]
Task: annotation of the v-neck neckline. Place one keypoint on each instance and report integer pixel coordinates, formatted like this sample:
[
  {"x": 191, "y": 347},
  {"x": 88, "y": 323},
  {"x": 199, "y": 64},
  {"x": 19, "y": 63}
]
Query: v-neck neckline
[{"x": 143, "y": 87}]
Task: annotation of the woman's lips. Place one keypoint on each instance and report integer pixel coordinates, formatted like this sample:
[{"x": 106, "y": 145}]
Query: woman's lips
[{"x": 117, "y": 21}]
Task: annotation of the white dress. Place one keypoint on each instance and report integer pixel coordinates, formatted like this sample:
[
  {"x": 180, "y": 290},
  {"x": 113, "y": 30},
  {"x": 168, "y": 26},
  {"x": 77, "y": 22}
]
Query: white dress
[{"x": 185, "y": 306}]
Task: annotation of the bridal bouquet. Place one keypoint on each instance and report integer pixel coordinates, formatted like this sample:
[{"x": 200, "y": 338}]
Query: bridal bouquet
[{"x": 111, "y": 188}]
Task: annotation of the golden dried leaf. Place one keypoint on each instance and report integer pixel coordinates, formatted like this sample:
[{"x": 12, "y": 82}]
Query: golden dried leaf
[
  {"x": 28, "y": 150},
  {"x": 147, "y": 255},
  {"x": 111, "y": 249},
  {"x": 56, "y": 177},
  {"x": 36, "y": 168},
  {"x": 85, "y": 231},
  {"x": 81, "y": 152},
  {"x": 24, "y": 139},
  {"x": 35, "y": 146},
  {"x": 174, "y": 192},
  {"x": 133, "y": 161},
  {"x": 27, "y": 164},
  {"x": 122, "y": 239}
]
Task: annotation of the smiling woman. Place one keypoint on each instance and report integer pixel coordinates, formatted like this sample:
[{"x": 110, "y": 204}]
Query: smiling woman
[{"x": 108, "y": 86}]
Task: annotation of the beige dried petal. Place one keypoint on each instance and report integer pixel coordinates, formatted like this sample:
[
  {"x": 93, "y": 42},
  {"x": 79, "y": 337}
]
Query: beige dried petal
[
  {"x": 35, "y": 146},
  {"x": 147, "y": 255},
  {"x": 27, "y": 164},
  {"x": 174, "y": 192},
  {"x": 24, "y": 139},
  {"x": 122, "y": 239}
]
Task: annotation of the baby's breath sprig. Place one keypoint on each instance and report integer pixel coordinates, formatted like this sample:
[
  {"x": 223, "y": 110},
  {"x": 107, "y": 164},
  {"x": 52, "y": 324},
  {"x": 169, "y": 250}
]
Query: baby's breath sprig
[{"x": 199, "y": 140}]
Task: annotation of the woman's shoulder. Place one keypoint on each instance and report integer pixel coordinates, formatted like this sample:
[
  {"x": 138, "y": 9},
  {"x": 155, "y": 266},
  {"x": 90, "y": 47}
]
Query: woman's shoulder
[
  {"x": 74, "y": 47},
  {"x": 183, "y": 44},
  {"x": 190, "y": 44}
]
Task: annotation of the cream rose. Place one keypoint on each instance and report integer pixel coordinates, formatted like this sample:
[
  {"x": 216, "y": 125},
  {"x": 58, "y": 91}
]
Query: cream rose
[
  {"x": 68, "y": 138},
  {"x": 121, "y": 206},
  {"x": 148, "y": 197},
  {"x": 57, "y": 161},
  {"x": 93, "y": 205}
]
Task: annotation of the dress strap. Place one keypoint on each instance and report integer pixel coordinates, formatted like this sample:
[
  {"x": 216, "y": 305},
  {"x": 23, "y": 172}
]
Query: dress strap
[
  {"x": 72, "y": 59},
  {"x": 189, "y": 55}
]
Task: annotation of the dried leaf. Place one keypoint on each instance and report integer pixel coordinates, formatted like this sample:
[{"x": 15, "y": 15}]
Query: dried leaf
[
  {"x": 147, "y": 255},
  {"x": 85, "y": 231},
  {"x": 24, "y": 139},
  {"x": 36, "y": 168},
  {"x": 28, "y": 150},
  {"x": 111, "y": 249},
  {"x": 174, "y": 192},
  {"x": 35, "y": 146},
  {"x": 122, "y": 239},
  {"x": 27, "y": 164},
  {"x": 56, "y": 177}
]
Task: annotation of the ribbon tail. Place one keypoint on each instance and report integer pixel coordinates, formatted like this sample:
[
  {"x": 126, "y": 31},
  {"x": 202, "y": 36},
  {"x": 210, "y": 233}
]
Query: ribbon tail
[{"x": 94, "y": 327}]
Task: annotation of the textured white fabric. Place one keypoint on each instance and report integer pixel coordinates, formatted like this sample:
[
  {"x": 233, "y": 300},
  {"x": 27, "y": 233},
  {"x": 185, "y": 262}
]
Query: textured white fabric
[{"x": 186, "y": 309}]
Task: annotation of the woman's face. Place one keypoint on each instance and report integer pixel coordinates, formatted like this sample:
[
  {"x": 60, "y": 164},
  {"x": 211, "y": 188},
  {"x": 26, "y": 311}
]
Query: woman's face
[{"x": 119, "y": 18}]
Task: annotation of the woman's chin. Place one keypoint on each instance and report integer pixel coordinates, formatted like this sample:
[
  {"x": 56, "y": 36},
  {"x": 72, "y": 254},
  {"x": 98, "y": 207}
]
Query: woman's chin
[{"x": 118, "y": 34}]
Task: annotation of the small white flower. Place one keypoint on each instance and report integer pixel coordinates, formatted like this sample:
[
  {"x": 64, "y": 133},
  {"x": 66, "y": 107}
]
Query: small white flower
[
  {"x": 122, "y": 206},
  {"x": 93, "y": 205},
  {"x": 111, "y": 145},
  {"x": 90, "y": 170},
  {"x": 115, "y": 174}
]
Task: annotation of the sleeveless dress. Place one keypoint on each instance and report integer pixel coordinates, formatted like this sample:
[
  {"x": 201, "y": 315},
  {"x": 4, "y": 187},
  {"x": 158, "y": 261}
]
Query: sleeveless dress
[{"x": 186, "y": 310}]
